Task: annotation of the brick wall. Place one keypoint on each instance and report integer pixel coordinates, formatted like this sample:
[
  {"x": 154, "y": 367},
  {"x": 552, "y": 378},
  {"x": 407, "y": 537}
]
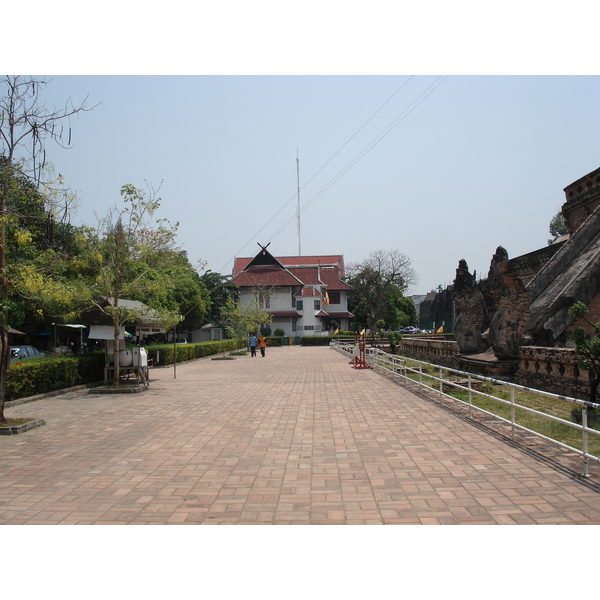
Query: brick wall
[
  {"x": 553, "y": 370},
  {"x": 440, "y": 352}
]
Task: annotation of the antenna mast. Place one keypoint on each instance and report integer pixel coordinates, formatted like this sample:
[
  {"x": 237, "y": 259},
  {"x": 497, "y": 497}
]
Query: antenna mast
[{"x": 298, "y": 209}]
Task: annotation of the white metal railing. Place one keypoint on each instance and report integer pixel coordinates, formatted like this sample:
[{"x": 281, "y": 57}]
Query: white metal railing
[{"x": 397, "y": 366}]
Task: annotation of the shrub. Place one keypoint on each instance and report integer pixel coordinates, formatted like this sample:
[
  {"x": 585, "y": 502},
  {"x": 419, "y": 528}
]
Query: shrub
[
  {"x": 316, "y": 340},
  {"x": 90, "y": 366},
  {"x": 41, "y": 376},
  {"x": 279, "y": 333},
  {"x": 344, "y": 334},
  {"x": 266, "y": 331},
  {"x": 274, "y": 341},
  {"x": 191, "y": 351}
]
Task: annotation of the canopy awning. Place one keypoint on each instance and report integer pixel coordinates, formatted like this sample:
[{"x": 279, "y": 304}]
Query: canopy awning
[{"x": 104, "y": 332}]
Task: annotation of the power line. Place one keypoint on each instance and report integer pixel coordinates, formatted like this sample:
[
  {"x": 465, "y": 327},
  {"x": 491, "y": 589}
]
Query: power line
[
  {"x": 322, "y": 167},
  {"x": 409, "y": 109},
  {"x": 414, "y": 104}
]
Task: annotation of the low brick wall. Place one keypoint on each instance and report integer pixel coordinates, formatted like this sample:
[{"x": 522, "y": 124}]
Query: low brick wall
[
  {"x": 440, "y": 352},
  {"x": 553, "y": 370}
]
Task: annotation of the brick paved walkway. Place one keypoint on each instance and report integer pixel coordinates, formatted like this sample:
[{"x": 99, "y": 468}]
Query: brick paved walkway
[{"x": 296, "y": 437}]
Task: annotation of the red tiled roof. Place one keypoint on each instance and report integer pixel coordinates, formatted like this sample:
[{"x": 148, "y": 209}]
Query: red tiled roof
[
  {"x": 308, "y": 275},
  {"x": 299, "y": 270},
  {"x": 284, "y": 313},
  {"x": 322, "y": 313},
  {"x": 335, "y": 259},
  {"x": 240, "y": 263},
  {"x": 307, "y": 291},
  {"x": 341, "y": 315},
  {"x": 261, "y": 276},
  {"x": 331, "y": 278}
]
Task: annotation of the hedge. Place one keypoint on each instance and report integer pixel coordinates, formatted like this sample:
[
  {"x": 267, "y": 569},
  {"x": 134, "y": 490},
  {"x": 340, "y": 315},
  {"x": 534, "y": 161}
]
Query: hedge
[
  {"x": 315, "y": 340},
  {"x": 60, "y": 372},
  {"x": 191, "y": 351},
  {"x": 53, "y": 373}
]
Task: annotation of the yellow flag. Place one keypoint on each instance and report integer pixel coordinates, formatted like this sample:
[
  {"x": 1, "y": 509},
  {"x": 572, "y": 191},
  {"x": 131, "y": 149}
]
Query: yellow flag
[
  {"x": 362, "y": 332},
  {"x": 440, "y": 330},
  {"x": 337, "y": 331}
]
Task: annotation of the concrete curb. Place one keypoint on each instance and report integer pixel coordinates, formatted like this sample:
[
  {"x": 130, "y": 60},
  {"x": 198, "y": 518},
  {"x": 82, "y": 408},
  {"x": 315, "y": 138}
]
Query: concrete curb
[
  {"x": 51, "y": 394},
  {"x": 15, "y": 429}
]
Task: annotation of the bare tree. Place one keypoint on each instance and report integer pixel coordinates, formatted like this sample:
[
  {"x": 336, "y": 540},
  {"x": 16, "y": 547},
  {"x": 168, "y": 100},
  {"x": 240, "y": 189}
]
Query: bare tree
[
  {"x": 375, "y": 279},
  {"x": 25, "y": 126}
]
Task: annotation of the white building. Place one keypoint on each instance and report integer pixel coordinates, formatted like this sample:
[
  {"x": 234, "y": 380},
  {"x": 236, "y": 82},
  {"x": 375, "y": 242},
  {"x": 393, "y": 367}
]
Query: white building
[{"x": 304, "y": 294}]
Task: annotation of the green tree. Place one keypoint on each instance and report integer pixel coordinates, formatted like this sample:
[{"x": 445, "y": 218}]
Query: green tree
[
  {"x": 25, "y": 125},
  {"x": 36, "y": 247},
  {"x": 220, "y": 289},
  {"x": 557, "y": 227},
  {"x": 394, "y": 338},
  {"x": 399, "y": 310},
  {"x": 243, "y": 320},
  {"x": 587, "y": 346},
  {"x": 129, "y": 256},
  {"x": 173, "y": 284}
]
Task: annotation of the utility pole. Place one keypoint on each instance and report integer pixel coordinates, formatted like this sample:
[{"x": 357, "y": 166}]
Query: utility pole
[{"x": 298, "y": 209}]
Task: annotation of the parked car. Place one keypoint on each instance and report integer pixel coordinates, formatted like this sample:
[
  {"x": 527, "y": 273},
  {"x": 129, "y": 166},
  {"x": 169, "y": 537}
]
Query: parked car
[
  {"x": 20, "y": 353},
  {"x": 181, "y": 341},
  {"x": 409, "y": 329}
]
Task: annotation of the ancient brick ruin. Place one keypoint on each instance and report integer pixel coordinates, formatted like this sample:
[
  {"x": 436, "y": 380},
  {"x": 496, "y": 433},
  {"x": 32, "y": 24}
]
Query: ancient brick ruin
[{"x": 516, "y": 321}]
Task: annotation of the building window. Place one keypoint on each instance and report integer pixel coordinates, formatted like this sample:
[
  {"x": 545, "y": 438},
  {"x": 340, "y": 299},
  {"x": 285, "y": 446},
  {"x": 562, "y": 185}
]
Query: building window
[
  {"x": 299, "y": 304},
  {"x": 334, "y": 297},
  {"x": 309, "y": 327},
  {"x": 264, "y": 299},
  {"x": 317, "y": 305}
]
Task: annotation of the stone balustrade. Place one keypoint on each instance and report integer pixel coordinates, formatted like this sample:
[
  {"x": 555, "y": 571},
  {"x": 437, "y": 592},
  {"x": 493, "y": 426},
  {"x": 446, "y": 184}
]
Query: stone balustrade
[
  {"x": 437, "y": 351},
  {"x": 555, "y": 370}
]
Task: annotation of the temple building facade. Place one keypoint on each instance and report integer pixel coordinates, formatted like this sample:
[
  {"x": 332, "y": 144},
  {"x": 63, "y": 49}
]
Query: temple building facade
[{"x": 305, "y": 295}]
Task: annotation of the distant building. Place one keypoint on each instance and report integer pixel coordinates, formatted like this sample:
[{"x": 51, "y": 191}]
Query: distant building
[
  {"x": 437, "y": 309},
  {"x": 303, "y": 294}
]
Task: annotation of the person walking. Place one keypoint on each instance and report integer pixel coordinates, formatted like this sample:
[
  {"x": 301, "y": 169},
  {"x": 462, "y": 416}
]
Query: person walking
[
  {"x": 252, "y": 345},
  {"x": 262, "y": 344}
]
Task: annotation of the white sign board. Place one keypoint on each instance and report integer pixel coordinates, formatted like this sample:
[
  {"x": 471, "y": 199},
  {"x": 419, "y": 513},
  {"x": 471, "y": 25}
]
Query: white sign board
[{"x": 149, "y": 330}]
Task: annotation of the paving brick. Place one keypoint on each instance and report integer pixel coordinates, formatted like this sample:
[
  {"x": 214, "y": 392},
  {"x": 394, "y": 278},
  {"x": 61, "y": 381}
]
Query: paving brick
[{"x": 300, "y": 438}]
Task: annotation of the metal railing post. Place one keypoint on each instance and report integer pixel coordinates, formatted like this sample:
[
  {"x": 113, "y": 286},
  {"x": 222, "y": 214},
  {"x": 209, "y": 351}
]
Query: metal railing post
[
  {"x": 470, "y": 396},
  {"x": 512, "y": 413},
  {"x": 441, "y": 383},
  {"x": 584, "y": 422}
]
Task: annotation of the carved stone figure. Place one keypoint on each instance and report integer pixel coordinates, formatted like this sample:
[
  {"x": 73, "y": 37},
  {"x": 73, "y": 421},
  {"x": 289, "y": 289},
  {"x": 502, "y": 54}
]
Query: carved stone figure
[{"x": 471, "y": 315}]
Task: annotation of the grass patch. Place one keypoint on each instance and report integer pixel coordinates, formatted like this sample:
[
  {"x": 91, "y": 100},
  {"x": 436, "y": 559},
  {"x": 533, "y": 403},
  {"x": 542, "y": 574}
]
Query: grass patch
[
  {"x": 13, "y": 422},
  {"x": 491, "y": 402}
]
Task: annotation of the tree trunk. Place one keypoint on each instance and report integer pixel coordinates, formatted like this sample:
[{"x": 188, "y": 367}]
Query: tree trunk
[
  {"x": 4, "y": 293},
  {"x": 594, "y": 381},
  {"x": 117, "y": 356},
  {"x": 3, "y": 367}
]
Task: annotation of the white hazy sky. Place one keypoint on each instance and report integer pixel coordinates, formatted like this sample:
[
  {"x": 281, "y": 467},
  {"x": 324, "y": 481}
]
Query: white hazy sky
[{"x": 462, "y": 164}]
